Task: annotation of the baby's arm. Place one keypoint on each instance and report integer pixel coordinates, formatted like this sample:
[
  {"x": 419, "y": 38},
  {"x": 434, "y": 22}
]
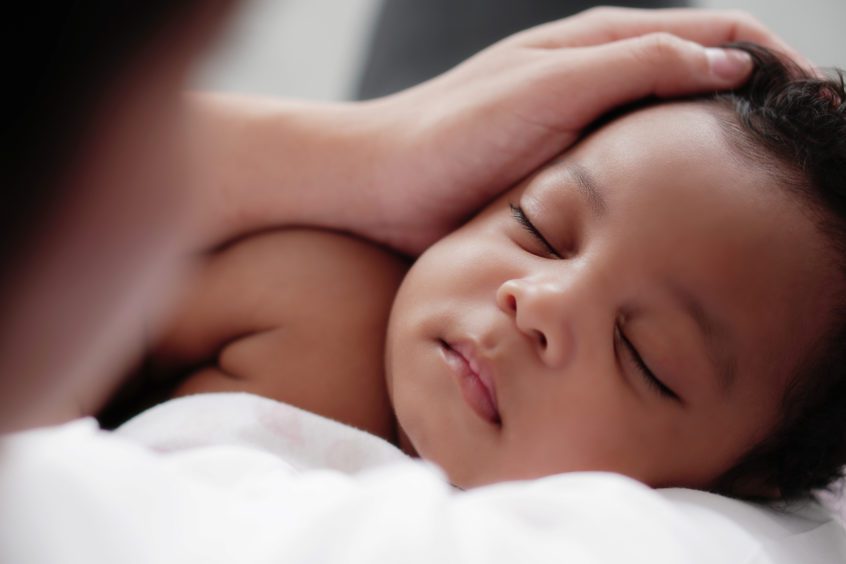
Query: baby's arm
[{"x": 295, "y": 315}]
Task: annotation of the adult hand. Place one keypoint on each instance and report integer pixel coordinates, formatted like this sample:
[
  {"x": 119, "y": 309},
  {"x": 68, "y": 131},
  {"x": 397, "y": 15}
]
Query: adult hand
[
  {"x": 406, "y": 169},
  {"x": 461, "y": 138}
]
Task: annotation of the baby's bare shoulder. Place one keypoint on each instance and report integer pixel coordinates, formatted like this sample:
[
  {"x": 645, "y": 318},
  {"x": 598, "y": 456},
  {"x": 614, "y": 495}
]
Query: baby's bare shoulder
[{"x": 297, "y": 315}]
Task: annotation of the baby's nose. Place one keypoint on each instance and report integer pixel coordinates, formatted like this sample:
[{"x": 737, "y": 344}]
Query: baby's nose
[{"x": 541, "y": 311}]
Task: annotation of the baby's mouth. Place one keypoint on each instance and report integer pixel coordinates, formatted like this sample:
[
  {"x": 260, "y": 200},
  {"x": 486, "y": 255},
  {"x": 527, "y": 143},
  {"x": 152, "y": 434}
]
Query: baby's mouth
[{"x": 475, "y": 379}]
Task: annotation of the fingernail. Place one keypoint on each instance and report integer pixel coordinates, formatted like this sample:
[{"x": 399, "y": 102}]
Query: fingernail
[{"x": 728, "y": 64}]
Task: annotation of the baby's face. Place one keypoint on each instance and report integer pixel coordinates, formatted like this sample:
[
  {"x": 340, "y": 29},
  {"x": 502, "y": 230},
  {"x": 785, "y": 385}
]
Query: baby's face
[{"x": 638, "y": 310}]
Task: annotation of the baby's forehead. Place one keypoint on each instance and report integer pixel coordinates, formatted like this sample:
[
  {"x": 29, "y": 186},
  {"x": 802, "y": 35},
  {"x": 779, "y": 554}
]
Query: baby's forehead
[
  {"x": 687, "y": 134},
  {"x": 667, "y": 135},
  {"x": 685, "y": 117}
]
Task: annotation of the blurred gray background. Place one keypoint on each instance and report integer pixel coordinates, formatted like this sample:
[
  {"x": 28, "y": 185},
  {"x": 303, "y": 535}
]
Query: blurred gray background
[{"x": 316, "y": 49}]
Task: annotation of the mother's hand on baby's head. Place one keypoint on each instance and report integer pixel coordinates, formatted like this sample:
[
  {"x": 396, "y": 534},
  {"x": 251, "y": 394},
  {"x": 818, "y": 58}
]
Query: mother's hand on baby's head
[{"x": 458, "y": 140}]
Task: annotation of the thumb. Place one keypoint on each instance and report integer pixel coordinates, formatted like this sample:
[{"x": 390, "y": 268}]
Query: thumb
[{"x": 658, "y": 64}]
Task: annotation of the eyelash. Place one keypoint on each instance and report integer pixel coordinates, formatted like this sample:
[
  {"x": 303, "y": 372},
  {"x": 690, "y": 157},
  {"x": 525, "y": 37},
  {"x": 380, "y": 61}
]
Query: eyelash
[
  {"x": 644, "y": 370},
  {"x": 520, "y": 216}
]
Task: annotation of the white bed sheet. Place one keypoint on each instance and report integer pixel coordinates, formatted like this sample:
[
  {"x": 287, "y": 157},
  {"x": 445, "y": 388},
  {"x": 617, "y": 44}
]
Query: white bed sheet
[{"x": 239, "y": 478}]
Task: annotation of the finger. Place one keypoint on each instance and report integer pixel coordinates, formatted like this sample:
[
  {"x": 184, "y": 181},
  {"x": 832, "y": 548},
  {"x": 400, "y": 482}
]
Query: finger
[
  {"x": 658, "y": 64},
  {"x": 708, "y": 27}
]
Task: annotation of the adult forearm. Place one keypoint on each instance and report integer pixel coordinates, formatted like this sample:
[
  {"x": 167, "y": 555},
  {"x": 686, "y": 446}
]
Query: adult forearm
[{"x": 264, "y": 163}]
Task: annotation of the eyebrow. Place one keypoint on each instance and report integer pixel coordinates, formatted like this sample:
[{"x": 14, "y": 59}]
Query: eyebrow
[
  {"x": 588, "y": 188},
  {"x": 715, "y": 333}
]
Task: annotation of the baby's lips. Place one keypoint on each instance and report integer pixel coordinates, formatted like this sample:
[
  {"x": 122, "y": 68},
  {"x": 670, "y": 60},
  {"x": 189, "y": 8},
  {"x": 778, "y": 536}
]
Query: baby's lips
[{"x": 480, "y": 366}]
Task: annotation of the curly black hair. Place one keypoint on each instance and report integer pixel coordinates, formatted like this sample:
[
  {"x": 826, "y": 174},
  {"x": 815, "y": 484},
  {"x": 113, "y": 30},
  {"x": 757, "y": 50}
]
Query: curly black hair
[{"x": 797, "y": 119}]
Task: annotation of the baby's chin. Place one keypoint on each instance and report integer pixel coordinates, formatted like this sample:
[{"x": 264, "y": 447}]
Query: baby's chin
[{"x": 470, "y": 478}]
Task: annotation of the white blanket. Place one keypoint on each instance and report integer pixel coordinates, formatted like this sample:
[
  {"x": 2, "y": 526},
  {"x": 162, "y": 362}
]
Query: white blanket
[{"x": 239, "y": 478}]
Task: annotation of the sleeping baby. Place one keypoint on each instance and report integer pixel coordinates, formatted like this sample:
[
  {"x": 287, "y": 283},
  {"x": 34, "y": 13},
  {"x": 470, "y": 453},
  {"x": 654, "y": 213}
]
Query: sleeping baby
[{"x": 664, "y": 301}]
